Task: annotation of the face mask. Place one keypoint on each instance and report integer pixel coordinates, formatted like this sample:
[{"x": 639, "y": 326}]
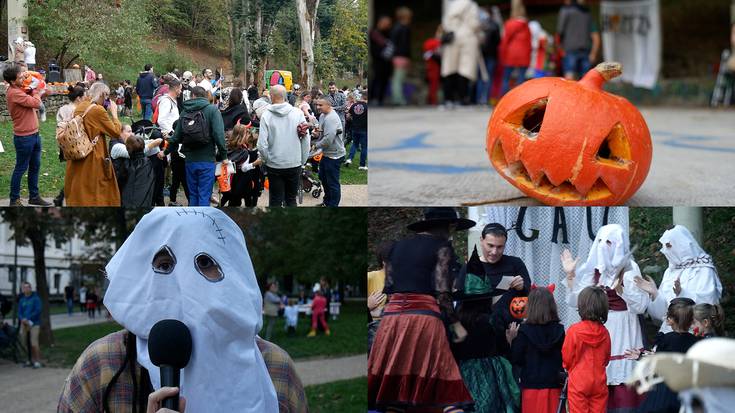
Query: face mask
[{"x": 192, "y": 265}]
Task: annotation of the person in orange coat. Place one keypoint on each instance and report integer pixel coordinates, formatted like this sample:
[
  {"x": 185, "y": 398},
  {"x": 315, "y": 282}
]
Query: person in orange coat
[
  {"x": 91, "y": 181},
  {"x": 586, "y": 353}
]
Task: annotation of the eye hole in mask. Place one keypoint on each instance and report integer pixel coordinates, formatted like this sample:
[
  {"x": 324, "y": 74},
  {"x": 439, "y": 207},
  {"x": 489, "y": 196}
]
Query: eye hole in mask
[
  {"x": 164, "y": 261},
  {"x": 208, "y": 267}
]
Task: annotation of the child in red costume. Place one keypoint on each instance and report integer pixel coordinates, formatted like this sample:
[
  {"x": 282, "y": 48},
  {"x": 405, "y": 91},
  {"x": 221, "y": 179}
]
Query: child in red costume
[
  {"x": 318, "y": 313},
  {"x": 586, "y": 353}
]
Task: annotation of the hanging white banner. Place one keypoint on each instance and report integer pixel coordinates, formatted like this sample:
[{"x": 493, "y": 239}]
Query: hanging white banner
[
  {"x": 631, "y": 35},
  {"x": 538, "y": 236}
]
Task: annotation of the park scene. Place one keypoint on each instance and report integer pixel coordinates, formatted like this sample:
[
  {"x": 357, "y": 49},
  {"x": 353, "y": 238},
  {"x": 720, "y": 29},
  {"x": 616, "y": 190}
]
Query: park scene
[
  {"x": 308, "y": 278},
  {"x": 483, "y": 102},
  {"x": 313, "y": 52}
]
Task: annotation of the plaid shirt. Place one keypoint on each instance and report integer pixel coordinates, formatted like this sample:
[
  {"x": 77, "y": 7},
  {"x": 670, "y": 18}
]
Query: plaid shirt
[{"x": 85, "y": 386}]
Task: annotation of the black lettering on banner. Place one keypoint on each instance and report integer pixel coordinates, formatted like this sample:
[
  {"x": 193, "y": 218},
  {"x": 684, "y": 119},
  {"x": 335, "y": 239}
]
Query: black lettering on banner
[
  {"x": 560, "y": 223},
  {"x": 519, "y": 227},
  {"x": 605, "y": 217}
]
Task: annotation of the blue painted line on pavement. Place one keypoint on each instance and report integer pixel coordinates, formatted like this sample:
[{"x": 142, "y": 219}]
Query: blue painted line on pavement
[
  {"x": 428, "y": 168},
  {"x": 411, "y": 142}
]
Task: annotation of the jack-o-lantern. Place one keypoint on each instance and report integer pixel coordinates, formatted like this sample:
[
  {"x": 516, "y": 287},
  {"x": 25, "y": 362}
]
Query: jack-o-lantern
[
  {"x": 570, "y": 143},
  {"x": 518, "y": 307}
]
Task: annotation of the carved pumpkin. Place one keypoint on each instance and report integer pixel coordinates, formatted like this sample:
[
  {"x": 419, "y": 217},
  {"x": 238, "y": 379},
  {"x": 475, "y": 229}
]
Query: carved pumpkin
[
  {"x": 518, "y": 307},
  {"x": 570, "y": 143}
]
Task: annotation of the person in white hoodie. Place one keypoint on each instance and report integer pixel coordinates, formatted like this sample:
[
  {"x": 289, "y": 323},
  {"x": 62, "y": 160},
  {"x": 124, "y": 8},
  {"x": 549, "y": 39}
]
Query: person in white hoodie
[{"x": 282, "y": 150}]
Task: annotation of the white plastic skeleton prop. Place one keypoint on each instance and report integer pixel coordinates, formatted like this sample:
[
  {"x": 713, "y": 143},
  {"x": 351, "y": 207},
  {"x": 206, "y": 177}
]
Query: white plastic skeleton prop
[
  {"x": 705, "y": 373},
  {"x": 192, "y": 265}
]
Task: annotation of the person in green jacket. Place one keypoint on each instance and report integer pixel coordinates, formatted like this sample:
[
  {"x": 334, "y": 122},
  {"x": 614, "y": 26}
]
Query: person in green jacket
[{"x": 203, "y": 143}]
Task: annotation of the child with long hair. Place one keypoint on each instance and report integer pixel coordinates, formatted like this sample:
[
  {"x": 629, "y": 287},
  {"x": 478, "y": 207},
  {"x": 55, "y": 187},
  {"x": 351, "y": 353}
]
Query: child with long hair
[
  {"x": 709, "y": 320},
  {"x": 679, "y": 317},
  {"x": 242, "y": 151},
  {"x": 536, "y": 349},
  {"x": 586, "y": 353}
]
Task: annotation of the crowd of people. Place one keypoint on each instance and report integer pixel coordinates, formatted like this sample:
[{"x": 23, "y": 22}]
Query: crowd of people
[
  {"x": 195, "y": 130},
  {"x": 475, "y": 55},
  {"x": 450, "y": 337}
]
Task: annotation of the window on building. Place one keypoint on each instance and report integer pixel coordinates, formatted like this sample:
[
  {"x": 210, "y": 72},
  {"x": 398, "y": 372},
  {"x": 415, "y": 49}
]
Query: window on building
[{"x": 57, "y": 281}]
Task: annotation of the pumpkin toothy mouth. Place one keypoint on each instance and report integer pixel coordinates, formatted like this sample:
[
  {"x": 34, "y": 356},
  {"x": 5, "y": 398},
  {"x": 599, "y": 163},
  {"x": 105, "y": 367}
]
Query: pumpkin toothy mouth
[{"x": 517, "y": 172}]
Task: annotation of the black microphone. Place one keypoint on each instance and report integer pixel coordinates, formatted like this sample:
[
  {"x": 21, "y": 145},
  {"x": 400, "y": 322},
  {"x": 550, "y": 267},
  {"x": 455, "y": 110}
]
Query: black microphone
[{"x": 169, "y": 347}]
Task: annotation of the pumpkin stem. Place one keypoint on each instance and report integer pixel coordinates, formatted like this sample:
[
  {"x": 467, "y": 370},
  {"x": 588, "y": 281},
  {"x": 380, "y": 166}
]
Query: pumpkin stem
[{"x": 602, "y": 73}]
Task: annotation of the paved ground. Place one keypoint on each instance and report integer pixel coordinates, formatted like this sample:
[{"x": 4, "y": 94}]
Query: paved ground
[
  {"x": 29, "y": 390},
  {"x": 424, "y": 156},
  {"x": 59, "y": 321},
  {"x": 352, "y": 195}
]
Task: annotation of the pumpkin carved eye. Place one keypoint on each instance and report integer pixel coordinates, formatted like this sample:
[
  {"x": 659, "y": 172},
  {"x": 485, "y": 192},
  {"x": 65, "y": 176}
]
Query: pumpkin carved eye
[
  {"x": 614, "y": 150},
  {"x": 527, "y": 120}
]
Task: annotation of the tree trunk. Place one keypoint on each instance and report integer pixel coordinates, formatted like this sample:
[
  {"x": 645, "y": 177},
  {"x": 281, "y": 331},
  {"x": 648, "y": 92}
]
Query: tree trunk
[
  {"x": 38, "y": 242},
  {"x": 231, "y": 33},
  {"x": 307, "y": 11}
]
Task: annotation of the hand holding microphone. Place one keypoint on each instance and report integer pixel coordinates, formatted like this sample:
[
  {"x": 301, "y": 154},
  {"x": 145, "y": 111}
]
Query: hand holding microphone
[
  {"x": 155, "y": 399},
  {"x": 169, "y": 347}
]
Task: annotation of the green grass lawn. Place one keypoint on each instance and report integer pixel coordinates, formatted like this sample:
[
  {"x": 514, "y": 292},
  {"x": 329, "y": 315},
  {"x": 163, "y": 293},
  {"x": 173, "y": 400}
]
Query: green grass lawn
[
  {"x": 344, "y": 396},
  {"x": 349, "y": 335},
  {"x": 71, "y": 342},
  {"x": 51, "y": 178}
]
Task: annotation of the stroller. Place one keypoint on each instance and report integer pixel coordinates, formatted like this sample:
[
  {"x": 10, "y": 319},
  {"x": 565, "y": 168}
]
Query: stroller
[
  {"x": 146, "y": 129},
  {"x": 309, "y": 181},
  {"x": 10, "y": 346},
  {"x": 563, "y": 396}
]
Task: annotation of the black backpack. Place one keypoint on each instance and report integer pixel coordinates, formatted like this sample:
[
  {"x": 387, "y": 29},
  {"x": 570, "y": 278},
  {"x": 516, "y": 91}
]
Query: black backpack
[{"x": 194, "y": 129}]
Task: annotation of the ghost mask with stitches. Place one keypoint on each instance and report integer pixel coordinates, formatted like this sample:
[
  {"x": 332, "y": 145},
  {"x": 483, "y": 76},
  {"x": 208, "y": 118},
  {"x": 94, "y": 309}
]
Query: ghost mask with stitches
[{"x": 192, "y": 265}]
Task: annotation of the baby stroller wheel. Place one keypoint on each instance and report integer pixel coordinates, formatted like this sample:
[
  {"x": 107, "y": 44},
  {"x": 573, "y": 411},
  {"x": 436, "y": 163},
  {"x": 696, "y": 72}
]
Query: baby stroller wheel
[
  {"x": 307, "y": 186},
  {"x": 316, "y": 193}
]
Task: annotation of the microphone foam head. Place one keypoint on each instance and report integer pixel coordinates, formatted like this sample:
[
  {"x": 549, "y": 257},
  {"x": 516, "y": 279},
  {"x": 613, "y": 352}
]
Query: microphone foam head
[{"x": 169, "y": 342}]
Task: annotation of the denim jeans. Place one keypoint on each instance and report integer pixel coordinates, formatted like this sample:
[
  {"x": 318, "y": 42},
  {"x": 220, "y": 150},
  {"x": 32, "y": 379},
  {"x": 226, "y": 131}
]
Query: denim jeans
[
  {"x": 329, "y": 175},
  {"x": 200, "y": 179},
  {"x": 359, "y": 139},
  {"x": 507, "y": 74},
  {"x": 146, "y": 108},
  {"x": 69, "y": 306},
  {"x": 283, "y": 186},
  {"x": 577, "y": 62},
  {"x": 483, "y": 87},
  {"x": 27, "y": 157}
]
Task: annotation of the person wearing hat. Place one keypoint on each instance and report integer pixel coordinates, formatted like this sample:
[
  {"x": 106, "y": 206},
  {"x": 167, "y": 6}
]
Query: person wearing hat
[
  {"x": 704, "y": 377},
  {"x": 486, "y": 372},
  {"x": 411, "y": 363}
]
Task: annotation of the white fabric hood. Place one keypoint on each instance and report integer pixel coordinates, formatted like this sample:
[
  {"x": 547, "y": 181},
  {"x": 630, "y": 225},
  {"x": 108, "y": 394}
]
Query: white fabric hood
[
  {"x": 609, "y": 253},
  {"x": 226, "y": 371},
  {"x": 685, "y": 250}
]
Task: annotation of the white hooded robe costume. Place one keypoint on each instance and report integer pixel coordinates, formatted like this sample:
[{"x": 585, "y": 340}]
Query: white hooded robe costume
[
  {"x": 623, "y": 326},
  {"x": 692, "y": 266},
  {"x": 226, "y": 372}
]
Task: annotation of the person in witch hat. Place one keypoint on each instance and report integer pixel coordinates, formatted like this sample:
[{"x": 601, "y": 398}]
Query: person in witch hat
[{"x": 411, "y": 364}]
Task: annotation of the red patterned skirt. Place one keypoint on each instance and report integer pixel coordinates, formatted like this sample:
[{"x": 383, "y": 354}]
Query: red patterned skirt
[{"x": 411, "y": 365}]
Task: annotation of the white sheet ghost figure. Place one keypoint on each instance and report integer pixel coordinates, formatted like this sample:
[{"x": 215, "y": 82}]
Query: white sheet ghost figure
[
  {"x": 694, "y": 269},
  {"x": 192, "y": 265},
  {"x": 610, "y": 255}
]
